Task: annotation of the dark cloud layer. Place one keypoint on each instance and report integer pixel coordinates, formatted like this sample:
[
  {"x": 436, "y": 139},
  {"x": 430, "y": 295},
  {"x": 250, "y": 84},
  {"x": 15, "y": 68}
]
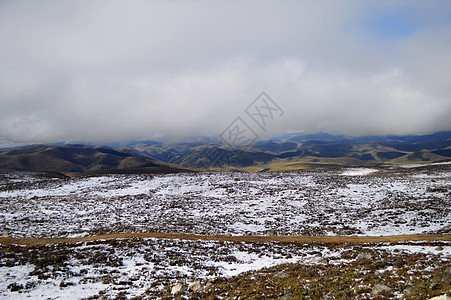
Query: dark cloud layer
[{"x": 120, "y": 70}]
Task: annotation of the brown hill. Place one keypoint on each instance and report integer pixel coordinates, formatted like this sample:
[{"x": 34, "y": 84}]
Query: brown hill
[{"x": 80, "y": 159}]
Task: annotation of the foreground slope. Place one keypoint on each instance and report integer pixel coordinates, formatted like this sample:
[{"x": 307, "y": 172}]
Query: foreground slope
[{"x": 150, "y": 268}]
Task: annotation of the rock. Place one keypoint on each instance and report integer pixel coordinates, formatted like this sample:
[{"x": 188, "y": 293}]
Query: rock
[
  {"x": 447, "y": 274},
  {"x": 329, "y": 296},
  {"x": 434, "y": 286},
  {"x": 194, "y": 286},
  {"x": 323, "y": 261},
  {"x": 5, "y": 235},
  {"x": 15, "y": 287},
  {"x": 399, "y": 263},
  {"x": 439, "y": 248},
  {"x": 178, "y": 288},
  {"x": 378, "y": 288},
  {"x": 281, "y": 275},
  {"x": 407, "y": 290},
  {"x": 64, "y": 284},
  {"x": 286, "y": 296},
  {"x": 364, "y": 256},
  {"x": 271, "y": 232},
  {"x": 208, "y": 285},
  {"x": 442, "y": 297},
  {"x": 144, "y": 230},
  {"x": 345, "y": 232}
]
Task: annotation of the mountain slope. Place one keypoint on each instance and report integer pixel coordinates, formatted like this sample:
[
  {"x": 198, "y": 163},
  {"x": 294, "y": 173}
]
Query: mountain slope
[
  {"x": 79, "y": 159},
  {"x": 291, "y": 152}
]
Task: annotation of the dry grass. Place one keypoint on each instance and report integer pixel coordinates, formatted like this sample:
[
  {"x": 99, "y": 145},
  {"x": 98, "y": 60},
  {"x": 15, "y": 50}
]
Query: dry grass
[{"x": 345, "y": 281}]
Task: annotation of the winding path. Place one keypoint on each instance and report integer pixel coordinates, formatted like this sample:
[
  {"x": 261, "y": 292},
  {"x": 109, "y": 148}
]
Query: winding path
[{"x": 30, "y": 242}]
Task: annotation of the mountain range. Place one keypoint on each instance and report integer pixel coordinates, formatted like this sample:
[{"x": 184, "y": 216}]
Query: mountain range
[
  {"x": 288, "y": 152},
  {"x": 297, "y": 151}
]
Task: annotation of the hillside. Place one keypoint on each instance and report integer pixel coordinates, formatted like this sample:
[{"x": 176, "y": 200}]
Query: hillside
[
  {"x": 292, "y": 152},
  {"x": 80, "y": 159}
]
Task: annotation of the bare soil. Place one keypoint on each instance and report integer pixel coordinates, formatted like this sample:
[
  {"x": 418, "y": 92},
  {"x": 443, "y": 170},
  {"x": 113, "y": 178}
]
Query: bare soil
[{"x": 32, "y": 242}]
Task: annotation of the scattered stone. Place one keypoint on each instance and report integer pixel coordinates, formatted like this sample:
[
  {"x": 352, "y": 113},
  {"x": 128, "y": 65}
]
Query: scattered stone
[
  {"x": 271, "y": 232},
  {"x": 364, "y": 256},
  {"x": 345, "y": 232},
  {"x": 15, "y": 287},
  {"x": 208, "y": 285},
  {"x": 399, "y": 263},
  {"x": 194, "y": 286},
  {"x": 5, "y": 235},
  {"x": 329, "y": 296},
  {"x": 280, "y": 275},
  {"x": 178, "y": 288},
  {"x": 434, "y": 286},
  {"x": 64, "y": 284},
  {"x": 408, "y": 290},
  {"x": 144, "y": 230},
  {"x": 84, "y": 244},
  {"x": 447, "y": 274},
  {"x": 286, "y": 296},
  {"x": 323, "y": 261},
  {"x": 378, "y": 288},
  {"x": 439, "y": 248}
]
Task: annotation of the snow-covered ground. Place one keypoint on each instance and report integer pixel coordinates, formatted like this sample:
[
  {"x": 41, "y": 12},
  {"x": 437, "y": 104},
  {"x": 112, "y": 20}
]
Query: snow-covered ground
[
  {"x": 360, "y": 201},
  {"x": 152, "y": 266},
  {"x": 424, "y": 165},
  {"x": 86, "y": 269},
  {"x": 358, "y": 172},
  {"x": 384, "y": 201}
]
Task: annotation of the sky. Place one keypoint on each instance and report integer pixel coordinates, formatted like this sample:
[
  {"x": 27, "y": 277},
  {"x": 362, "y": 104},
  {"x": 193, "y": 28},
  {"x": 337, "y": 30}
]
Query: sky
[{"x": 104, "y": 71}]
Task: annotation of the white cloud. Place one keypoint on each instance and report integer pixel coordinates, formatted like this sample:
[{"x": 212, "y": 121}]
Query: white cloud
[{"x": 110, "y": 70}]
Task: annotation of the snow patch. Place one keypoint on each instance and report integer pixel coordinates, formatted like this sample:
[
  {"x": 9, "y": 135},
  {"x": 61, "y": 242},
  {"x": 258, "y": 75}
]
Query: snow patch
[{"x": 358, "y": 172}]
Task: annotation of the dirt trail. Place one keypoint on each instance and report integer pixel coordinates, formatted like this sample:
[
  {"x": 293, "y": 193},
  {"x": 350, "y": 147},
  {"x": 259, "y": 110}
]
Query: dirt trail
[{"x": 297, "y": 239}]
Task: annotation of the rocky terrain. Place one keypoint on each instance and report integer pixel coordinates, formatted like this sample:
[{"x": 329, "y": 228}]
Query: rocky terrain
[
  {"x": 358, "y": 201},
  {"x": 341, "y": 203},
  {"x": 184, "y": 269}
]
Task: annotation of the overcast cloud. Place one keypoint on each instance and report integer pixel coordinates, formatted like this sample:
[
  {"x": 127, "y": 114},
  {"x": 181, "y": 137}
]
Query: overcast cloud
[{"x": 102, "y": 71}]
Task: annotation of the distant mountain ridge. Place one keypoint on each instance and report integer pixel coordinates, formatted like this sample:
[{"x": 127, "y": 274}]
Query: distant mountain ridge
[
  {"x": 288, "y": 152},
  {"x": 294, "y": 151}
]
